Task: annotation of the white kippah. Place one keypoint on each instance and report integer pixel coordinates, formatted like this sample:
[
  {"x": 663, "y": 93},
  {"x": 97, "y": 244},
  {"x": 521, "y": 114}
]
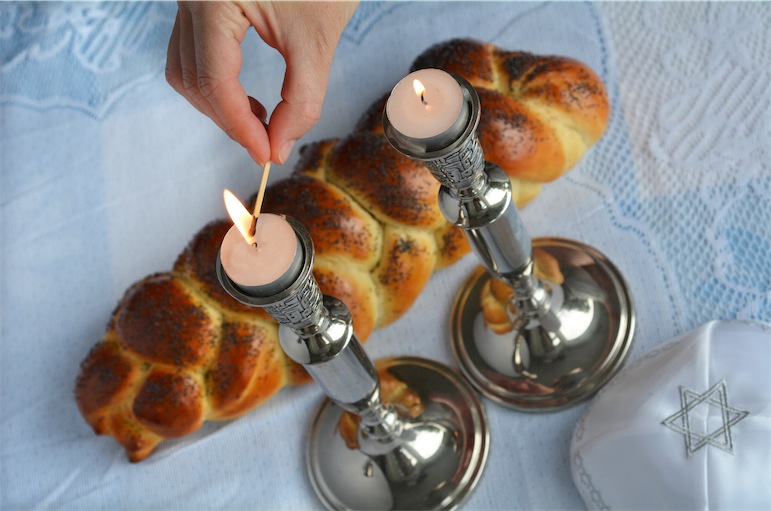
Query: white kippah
[{"x": 687, "y": 426}]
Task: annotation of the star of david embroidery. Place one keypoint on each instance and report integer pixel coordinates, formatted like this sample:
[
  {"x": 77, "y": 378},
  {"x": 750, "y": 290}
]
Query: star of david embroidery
[{"x": 721, "y": 437}]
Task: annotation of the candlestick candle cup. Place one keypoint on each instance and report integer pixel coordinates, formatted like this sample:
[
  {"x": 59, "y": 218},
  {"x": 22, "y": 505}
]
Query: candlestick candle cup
[
  {"x": 398, "y": 460},
  {"x": 567, "y": 339}
]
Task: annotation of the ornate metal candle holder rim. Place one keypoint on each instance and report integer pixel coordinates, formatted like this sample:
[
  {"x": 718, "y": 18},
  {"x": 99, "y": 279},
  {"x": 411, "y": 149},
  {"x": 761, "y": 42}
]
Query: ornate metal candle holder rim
[
  {"x": 247, "y": 295},
  {"x": 414, "y": 147}
]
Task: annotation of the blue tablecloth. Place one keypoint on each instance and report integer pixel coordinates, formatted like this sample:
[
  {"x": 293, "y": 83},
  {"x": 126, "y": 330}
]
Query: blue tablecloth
[{"x": 107, "y": 173}]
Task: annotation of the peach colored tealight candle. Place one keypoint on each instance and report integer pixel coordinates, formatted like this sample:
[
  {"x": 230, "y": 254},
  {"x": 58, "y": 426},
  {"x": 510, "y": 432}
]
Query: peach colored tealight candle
[
  {"x": 425, "y": 104},
  {"x": 248, "y": 265}
]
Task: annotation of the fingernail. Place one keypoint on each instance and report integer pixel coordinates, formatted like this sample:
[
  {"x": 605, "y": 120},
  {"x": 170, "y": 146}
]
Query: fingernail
[
  {"x": 256, "y": 158},
  {"x": 284, "y": 154}
]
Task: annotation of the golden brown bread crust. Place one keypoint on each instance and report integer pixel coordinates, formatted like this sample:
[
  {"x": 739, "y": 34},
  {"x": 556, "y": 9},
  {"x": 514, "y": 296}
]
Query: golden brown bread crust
[
  {"x": 170, "y": 403},
  {"x": 339, "y": 227},
  {"x": 105, "y": 375},
  {"x": 247, "y": 364},
  {"x": 394, "y": 189},
  {"x": 178, "y": 350},
  {"x": 162, "y": 323}
]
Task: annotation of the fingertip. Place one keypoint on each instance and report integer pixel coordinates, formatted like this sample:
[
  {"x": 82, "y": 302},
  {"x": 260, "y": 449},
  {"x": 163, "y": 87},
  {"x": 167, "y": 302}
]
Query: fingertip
[
  {"x": 287, "y": 125},
  {"x": 258, "y": 145},
  {"x": 259, "y": 156},
  {"x": 286, "y": 150},
  {"x": 173, "y": 69}
]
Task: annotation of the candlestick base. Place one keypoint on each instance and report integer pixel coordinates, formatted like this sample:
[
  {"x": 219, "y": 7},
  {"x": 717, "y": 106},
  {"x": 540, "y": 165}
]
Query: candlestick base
[
  {"x": 433, "y": 462},
  {"x": 595, "y": 330}
]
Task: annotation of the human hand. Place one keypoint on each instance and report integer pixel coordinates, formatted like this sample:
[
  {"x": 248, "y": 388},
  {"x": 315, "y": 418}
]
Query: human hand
[{"x": 204, "y": 61}]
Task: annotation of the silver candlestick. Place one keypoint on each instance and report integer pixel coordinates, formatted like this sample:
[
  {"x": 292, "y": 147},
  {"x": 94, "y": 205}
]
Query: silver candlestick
[
  {"x": 398, "y": 460},
  {"x": 568, "y": 339}
]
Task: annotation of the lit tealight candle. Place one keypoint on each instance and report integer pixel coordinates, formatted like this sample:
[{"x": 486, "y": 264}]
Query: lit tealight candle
[
  {"x": 261, "y": 258},
  {"x": 428, "y": 106}
]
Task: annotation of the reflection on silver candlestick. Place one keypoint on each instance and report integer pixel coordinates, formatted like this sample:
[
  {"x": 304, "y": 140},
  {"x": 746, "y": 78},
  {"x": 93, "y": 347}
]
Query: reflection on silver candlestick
[
  {"x": 567, "y": 339},
  {"x": 398, "y": 459}
]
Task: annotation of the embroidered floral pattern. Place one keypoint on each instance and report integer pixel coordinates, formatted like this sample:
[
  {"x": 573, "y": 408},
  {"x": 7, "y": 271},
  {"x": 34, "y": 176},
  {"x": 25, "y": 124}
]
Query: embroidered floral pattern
[
  {"x": 697, "y": 184},
  {"x": 91, "y": 52}
]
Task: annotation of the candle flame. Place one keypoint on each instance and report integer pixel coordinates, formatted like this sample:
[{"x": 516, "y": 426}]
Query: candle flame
[
  {"x": 420, "y": 89},
  {"x": 240, "y": 215}
]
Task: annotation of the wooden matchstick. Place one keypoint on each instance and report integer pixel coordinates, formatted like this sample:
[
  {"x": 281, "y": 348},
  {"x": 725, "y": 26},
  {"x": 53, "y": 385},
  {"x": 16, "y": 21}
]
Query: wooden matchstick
[{"x": 260, "y": 197}]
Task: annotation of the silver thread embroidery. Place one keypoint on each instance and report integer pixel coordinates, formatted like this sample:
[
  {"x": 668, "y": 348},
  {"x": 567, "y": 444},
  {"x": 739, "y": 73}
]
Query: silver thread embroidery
[{"x": 721, "y": 437}]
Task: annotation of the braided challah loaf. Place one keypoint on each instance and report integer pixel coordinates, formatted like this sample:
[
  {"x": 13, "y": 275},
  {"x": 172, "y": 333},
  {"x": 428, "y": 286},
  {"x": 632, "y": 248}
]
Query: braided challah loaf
[{"x": 178, "y": 350}]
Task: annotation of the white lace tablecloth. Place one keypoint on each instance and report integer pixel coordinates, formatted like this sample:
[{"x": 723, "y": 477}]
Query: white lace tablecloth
[{"x": 107, "y": 173}]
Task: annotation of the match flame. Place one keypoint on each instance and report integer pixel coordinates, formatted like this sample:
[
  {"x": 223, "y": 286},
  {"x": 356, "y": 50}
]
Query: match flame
[
  {"x": 419, "y": 88},
  {"x": 240, "y": 215}
]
